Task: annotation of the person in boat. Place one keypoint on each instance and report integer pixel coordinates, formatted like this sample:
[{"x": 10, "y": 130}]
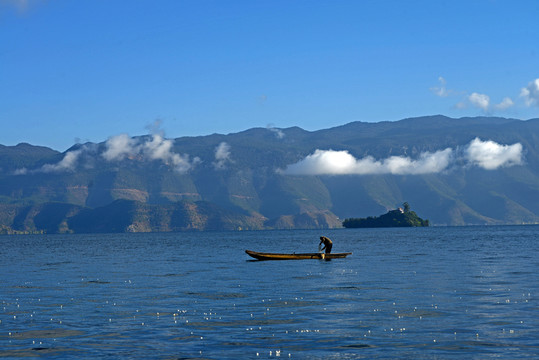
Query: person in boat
[{"x": 328, "y": 244}]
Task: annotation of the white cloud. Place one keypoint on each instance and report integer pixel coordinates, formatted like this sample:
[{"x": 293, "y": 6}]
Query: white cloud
[
  {"x": 68, "y": 163},
  {"x": 222, "y": 155},
  {"x": 480, "y": 100},
  {"x": 531, "y": 93},
  {"x": 506, "y": 103},
  {"x": 119, "y": 147},
  {"x": 122, "y": 146},
  {"x": 278, "y": 132},
  {"x": 491, "y": 155},
  {"x": 330, "y": 162},
  {"x": 222, "y": 151},
  {"x": 157, "y": 148},
  {"x": 323, "y": 162},
  {"x": 21, "y": 171},
  {"x": 182, "y": 163},
  {"x": 483, "y": 102},
  {"x": 488, "y": 155},
  {"x": 161, "y": 149},
  {"x": 441, "y": 90},
  {"x": 426, "y": 163}
]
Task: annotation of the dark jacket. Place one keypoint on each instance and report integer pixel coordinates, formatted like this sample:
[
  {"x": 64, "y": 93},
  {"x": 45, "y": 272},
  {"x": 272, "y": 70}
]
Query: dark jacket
[{"x": 328, "y": 244}]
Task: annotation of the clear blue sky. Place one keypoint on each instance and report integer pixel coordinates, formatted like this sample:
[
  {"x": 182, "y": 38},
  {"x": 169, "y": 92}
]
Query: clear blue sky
[{"x": 87, "y": 70}]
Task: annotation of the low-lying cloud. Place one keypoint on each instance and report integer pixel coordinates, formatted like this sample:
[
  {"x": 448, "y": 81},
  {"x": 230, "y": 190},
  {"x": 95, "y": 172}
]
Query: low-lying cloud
[
  {"x": 222, "y": 156},
  {"x": 330, "y": 162},
  {"x": 68, "y": 163},
  {"x": 488, "y": 155},
  {"x": 278, "y": 132},
  {"x": 157, "y": 148},
  {"x": 119, "y": 148}
]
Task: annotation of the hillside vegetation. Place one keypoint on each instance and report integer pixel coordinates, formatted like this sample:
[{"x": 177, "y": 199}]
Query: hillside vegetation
[{"x": 278, "y": 178}]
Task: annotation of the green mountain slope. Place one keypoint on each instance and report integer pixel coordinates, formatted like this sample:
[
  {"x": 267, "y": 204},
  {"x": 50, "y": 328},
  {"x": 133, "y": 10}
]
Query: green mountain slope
[{"x": 247, "y": 181}]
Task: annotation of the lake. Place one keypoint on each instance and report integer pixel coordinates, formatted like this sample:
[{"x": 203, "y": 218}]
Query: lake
[{"x": 429, "y": 293}]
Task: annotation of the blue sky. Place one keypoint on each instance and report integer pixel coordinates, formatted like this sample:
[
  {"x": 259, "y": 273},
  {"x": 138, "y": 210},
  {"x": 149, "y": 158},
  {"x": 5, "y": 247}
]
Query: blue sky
[{"x": 77, "y": 71}]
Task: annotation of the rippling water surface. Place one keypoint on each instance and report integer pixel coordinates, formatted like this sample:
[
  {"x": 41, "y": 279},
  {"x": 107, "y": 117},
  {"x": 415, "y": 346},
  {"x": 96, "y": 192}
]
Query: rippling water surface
[{"x": 432, "y": 293}]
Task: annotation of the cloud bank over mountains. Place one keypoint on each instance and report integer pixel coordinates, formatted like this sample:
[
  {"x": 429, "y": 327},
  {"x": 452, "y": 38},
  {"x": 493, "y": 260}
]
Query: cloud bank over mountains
[
  {"x": 153, "y": 147},
  {"x": 118, "y": 148},
  {"x": 157, "y": 148},
  {"x": 488, "y": 155}
]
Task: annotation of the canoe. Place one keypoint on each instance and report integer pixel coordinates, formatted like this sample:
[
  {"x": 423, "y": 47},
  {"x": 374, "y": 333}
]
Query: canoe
[{"x": 294, "y": 256}]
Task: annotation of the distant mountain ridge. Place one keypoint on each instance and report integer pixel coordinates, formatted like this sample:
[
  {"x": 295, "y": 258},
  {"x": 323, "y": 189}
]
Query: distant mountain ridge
[{"x": 482, "y": 170}]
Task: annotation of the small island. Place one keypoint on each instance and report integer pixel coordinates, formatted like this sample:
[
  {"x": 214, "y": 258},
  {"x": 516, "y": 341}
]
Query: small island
[{"x": 401, "y": 217}]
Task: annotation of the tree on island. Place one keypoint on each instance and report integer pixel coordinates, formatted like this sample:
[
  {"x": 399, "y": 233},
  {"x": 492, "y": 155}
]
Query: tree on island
[
  {"x": 401, "y": 217},
  {"x": 406, "y": 207}
]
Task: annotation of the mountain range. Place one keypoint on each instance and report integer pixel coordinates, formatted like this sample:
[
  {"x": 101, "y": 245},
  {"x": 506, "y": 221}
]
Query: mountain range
[{"x": 466, "y": 171}]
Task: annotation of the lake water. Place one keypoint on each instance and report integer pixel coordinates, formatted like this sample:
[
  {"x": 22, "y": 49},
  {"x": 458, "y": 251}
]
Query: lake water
[{"x": 425, "y": 293}]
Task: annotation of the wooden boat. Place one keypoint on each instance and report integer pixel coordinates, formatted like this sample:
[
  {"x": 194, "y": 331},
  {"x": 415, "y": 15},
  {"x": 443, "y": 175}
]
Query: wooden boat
[{"x": 294, "y": 256}]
